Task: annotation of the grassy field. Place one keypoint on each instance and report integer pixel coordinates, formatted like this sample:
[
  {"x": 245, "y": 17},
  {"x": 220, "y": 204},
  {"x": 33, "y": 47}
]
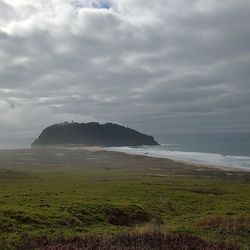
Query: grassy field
[{"x": 58, "y": 192}]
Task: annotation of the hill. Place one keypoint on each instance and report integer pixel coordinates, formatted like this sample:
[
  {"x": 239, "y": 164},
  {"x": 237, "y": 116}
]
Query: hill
[{"x": 92, "y": 134}]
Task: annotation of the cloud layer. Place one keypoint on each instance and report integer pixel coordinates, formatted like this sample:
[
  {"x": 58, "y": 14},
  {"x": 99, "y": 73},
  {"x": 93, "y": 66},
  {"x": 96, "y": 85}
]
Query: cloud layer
[{"x": 161, "y": 66}]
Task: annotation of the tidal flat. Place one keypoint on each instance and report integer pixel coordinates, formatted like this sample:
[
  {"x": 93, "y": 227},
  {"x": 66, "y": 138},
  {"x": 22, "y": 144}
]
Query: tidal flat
[{"x": 56, "y": 192}]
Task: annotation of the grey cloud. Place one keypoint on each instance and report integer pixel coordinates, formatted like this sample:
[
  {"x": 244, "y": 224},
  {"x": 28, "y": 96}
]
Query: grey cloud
[
  {"x": 7, "y": 12},
  {"x": 161, "y": 66}
]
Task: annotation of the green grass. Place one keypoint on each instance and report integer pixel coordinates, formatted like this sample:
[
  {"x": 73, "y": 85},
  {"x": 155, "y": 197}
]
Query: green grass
[{"x": 78, "y": 192}]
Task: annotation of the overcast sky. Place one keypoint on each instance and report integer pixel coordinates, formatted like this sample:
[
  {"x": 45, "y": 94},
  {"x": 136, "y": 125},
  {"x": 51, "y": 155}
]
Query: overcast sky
[{"x": 162, "y": 66}]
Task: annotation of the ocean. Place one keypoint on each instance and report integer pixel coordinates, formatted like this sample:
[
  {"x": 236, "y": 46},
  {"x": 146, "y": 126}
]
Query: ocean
[{"x": 232, "y": 150}]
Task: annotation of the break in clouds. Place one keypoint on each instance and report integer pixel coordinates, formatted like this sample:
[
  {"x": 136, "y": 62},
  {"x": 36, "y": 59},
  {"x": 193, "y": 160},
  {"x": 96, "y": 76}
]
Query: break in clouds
[{"x": 160, "y": 66}]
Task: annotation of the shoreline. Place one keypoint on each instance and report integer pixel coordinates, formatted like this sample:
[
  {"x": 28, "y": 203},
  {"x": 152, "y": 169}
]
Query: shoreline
[
  {"x": 96, "y": 149},
  {"x": 185, "y": 162}
]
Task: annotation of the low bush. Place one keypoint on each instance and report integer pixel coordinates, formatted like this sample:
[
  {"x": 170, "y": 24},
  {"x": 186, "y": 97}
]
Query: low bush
[{"x": 147, "y": 241}]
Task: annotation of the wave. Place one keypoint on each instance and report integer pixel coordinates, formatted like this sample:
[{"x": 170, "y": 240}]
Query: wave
[{"x": 195, "y": 157}]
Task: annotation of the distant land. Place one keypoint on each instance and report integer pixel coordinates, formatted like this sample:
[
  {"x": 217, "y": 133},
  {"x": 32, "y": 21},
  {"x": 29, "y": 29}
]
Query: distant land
[{"x": 92, "y": 134}]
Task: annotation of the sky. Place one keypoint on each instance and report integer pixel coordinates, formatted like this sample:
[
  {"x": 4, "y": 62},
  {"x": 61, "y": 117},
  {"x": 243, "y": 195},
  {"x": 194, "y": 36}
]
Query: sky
[{"x": 162, "y": 66}]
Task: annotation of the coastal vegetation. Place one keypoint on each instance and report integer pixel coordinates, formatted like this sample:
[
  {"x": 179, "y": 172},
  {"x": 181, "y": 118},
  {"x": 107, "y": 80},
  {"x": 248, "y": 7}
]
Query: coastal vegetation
[
  {"x": 92, "y": 134},
  {"x": 56, "y": 197}
]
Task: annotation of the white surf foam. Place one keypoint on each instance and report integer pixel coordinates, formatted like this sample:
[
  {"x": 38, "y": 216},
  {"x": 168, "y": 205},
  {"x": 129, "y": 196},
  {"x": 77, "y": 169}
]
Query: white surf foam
[{"x": 195, "y": 157}]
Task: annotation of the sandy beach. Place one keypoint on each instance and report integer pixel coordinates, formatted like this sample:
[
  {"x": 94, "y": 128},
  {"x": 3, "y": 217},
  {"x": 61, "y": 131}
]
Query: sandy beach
[
  {"x": 199, "y": 166},
  {"x": 154, "y": 160}
]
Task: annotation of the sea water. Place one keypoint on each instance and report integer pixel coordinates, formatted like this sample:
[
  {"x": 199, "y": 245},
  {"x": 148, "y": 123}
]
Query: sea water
[{"x": 231, "y": 150}]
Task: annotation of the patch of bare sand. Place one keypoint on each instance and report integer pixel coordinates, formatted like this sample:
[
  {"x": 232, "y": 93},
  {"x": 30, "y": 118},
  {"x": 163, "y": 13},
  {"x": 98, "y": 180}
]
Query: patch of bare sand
[{"x": 87, "y": 148}]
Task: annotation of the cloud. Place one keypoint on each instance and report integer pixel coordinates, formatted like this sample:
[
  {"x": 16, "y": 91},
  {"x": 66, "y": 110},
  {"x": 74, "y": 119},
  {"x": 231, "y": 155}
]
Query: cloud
[{"x": 161, "y": 66}]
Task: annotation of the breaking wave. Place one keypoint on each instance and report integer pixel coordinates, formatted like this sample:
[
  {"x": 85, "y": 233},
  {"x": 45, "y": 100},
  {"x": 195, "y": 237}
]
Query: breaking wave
[{"x": 194, "y": 157}]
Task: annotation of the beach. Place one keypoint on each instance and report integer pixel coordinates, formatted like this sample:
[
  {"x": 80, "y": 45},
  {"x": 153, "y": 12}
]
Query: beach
[{"x": 110, "y": 156}]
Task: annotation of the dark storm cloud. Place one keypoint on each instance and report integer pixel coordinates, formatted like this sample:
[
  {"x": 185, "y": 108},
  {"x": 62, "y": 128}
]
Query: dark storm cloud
[{"x": 171, "y": 66}]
